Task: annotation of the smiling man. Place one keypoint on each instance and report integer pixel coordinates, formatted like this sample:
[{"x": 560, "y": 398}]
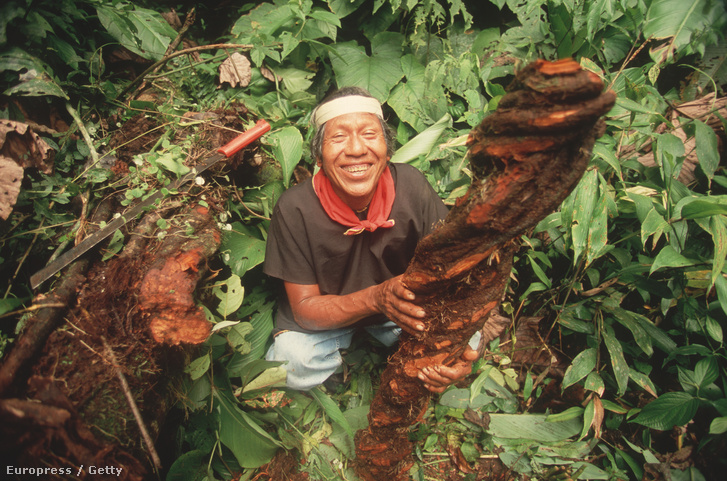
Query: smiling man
[{"x": 340, "y": 241}]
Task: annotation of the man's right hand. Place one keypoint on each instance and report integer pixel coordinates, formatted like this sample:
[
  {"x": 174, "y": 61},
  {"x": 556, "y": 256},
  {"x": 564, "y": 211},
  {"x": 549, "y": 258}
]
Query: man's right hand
[{"x": 396, "y": 302}]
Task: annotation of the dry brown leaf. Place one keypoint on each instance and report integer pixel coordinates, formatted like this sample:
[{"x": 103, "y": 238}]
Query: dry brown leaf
[
  {"x": 268, "y": 74},
  {"x": 236, "y": 70},
  {"x": 25, "y": 147},
  {"x": 11, "y": 176},
  {"x": 598, "y": 415}
]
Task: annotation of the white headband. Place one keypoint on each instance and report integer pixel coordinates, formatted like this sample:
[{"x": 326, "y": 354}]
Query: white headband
[{"x": 345, "y": 105}]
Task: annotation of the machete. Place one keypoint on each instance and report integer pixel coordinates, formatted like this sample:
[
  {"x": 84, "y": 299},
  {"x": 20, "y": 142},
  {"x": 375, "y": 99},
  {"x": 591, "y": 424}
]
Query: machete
[{"x": 230, "y": 148}]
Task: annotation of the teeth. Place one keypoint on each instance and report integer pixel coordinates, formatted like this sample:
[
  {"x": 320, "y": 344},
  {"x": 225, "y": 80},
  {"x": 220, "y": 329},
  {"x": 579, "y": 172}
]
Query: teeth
[{"x": 355, "y": 168}]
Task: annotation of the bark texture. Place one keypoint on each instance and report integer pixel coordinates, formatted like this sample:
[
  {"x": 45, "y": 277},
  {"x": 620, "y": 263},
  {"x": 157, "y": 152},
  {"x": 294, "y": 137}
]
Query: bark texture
[
  {"x": 527, "y": 157},
  {"x": 103, "y": 383}
]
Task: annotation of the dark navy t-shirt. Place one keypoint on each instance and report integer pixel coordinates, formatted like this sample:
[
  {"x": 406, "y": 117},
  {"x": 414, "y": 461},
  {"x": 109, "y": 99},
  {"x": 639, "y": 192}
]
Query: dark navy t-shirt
[{"x": 305, "y": 246}]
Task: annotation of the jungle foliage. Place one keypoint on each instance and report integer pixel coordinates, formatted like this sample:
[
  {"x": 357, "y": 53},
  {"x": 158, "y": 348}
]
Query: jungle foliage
[{"x": 628, "y": 276}]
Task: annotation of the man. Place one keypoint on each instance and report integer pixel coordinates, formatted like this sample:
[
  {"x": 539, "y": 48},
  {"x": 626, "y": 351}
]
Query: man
[{"x": 340, "y": 242}]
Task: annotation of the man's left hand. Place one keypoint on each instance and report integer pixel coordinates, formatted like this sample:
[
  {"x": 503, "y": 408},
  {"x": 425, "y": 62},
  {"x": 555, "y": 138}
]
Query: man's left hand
[{"x": 439, "y": 377}]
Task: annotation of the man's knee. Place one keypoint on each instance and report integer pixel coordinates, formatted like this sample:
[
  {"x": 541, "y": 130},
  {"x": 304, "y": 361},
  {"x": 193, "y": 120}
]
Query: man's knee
[{"x": 311, "y": 358}]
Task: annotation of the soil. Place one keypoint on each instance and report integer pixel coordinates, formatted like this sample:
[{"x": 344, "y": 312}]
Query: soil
[{"x": 135, "y": 318}]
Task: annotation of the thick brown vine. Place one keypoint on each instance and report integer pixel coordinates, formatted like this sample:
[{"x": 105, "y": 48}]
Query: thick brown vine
[{"x": 527, "y": 157}]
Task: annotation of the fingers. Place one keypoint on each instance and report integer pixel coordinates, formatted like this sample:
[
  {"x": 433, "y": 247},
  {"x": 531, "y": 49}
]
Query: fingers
[
  {"x": 470, "y": 354},
  {"x": 439, "y": 377},
  {"x": 396, "y": 302}
]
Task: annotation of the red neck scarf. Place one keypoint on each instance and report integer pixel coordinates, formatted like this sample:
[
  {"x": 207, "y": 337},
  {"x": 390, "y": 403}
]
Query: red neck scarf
[{"x": 379, "y": 207}]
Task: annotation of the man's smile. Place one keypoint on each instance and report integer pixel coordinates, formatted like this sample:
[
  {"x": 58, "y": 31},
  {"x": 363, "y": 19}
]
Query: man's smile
[{"x": 357, "y": 168}]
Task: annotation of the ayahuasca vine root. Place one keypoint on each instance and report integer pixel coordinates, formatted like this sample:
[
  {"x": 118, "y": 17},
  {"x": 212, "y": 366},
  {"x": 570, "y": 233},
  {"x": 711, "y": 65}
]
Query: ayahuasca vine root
[{"x": 527, "y": 157}]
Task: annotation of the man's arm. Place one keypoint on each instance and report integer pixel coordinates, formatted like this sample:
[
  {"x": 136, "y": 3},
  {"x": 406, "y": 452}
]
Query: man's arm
[{"x": 314, "y": 311}]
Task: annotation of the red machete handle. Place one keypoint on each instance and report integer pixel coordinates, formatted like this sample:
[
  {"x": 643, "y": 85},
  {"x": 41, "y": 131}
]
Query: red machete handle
[{"x": 244, "y": 139}]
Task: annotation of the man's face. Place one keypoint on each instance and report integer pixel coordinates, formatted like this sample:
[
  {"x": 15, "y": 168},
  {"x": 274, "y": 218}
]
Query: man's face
[{"x": 354, "y": 156}]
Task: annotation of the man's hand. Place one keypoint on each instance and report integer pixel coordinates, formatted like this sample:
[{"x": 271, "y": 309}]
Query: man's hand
[
  {"x": 438, "y": 378},
  {"x": 396, "y": 302}
]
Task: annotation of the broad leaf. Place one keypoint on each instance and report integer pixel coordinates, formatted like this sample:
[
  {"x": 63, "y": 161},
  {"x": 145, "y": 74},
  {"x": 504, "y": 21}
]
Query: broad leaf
[
  {"x": 141, "y": 30},
  {"x": 250, "y": 444},
  {"x": 378, "y": 73},
  {"x": 669, "y": 257},
  {"x": 669, "y": 410},
  {"x": 582, "y": 365},
  {"x": 423, "y": 143},
  {"x": 618, "y": 362},
  {"x": 244, "y": 250},
  {"x": 707, "y": 148},
  {"x": 331, "y": 409},
  {"x": 288, "y": 149}
]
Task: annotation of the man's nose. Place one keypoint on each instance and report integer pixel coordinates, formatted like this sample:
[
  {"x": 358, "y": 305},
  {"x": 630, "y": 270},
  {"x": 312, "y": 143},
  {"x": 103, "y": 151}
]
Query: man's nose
[{"x": 355, "y": 145}]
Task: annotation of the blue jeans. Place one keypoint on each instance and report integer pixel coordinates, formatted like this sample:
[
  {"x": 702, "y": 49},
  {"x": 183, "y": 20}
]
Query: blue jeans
[{"x": 312, "y": 358}]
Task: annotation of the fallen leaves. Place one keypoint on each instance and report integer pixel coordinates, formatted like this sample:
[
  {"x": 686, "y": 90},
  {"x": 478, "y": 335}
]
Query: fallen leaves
[
  {"x": 20, "y": 148},
  {"x": 236, "y": 70}
]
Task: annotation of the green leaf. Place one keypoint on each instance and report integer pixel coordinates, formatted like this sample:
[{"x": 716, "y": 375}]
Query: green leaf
[
  {"x": 585, "y": 198},
  {"x": 582, "y": 364},
  {"x": 231, "y": 296},
  {"x": 423, "y": 143},
  {"x": 271, "y": 377},
  {"x": 570, "y": 413},
  {"x": 288, "y": 149},
  {"x": 679, "y": 22},
  {"x": 707, "y": 148},
  {"x": 35, "y": 79},
  {"x": 669, "y": 257},
  {"x": 643, "y": 380},
  {"x": 718, "y": 425},
  {"x": 702, "y": 207},
  {"x": 244, "y": 250},
  {"x": 141, "y": 30},
  {"x": 655, "y": 225},
  {"x": 618, "y": 362},
  {"x": 533, "y": 427},
  {"x": 640, "y": 335},
  {"x": 331, "y": 409},
  {"x": 378, "y": 73},
  {"x": 237, "y": 337},
  {"x": 198, "y": 367},
  {"x": 249, "y": 443},
  {"x": 706, "y": 372},
  {"x": 669, "y": 410},
  {"x": 718, "y": 230}
]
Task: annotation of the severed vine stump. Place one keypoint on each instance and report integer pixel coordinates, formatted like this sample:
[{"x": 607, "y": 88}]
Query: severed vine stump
[{"x": 527, "y": 157}]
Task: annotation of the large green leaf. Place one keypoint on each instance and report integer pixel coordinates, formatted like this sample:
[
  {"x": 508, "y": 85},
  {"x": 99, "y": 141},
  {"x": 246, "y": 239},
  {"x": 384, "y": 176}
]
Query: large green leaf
[
  {"x": 669, "y": 410},
  {"x": 679, "y": 22},
  {"x": 533, "y": 427},
  {"x": 618, "y": 362},
  {"x": 378, "y": 73},
  {"x": 669, "y": 257},
  {"x": 250, "y": 444},
  {"x": 582, "y": 365},
  {"x": 34, "y": 78},
  {"x": 141, "y": 30},
  {"x": 244, "y": 250},
  {"x": 288, "y": 149},
  {"x": 423, "y": 143},
  {"x": 585, "y": 198}
]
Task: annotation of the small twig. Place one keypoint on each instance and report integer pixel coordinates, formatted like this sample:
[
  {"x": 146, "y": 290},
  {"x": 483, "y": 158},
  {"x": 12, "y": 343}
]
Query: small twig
[
  {"x": 239, "y": 198},
  {"x": 132, "y": 404},
  {"x": 32, "y": 308}
]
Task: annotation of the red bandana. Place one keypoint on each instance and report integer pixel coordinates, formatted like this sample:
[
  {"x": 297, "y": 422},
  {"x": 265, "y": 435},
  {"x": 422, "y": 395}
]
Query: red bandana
[{"x": 379, "y": 208}]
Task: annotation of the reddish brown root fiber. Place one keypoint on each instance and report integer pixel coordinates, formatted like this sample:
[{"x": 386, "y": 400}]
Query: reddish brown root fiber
[{"x": 527, "y": 157}]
